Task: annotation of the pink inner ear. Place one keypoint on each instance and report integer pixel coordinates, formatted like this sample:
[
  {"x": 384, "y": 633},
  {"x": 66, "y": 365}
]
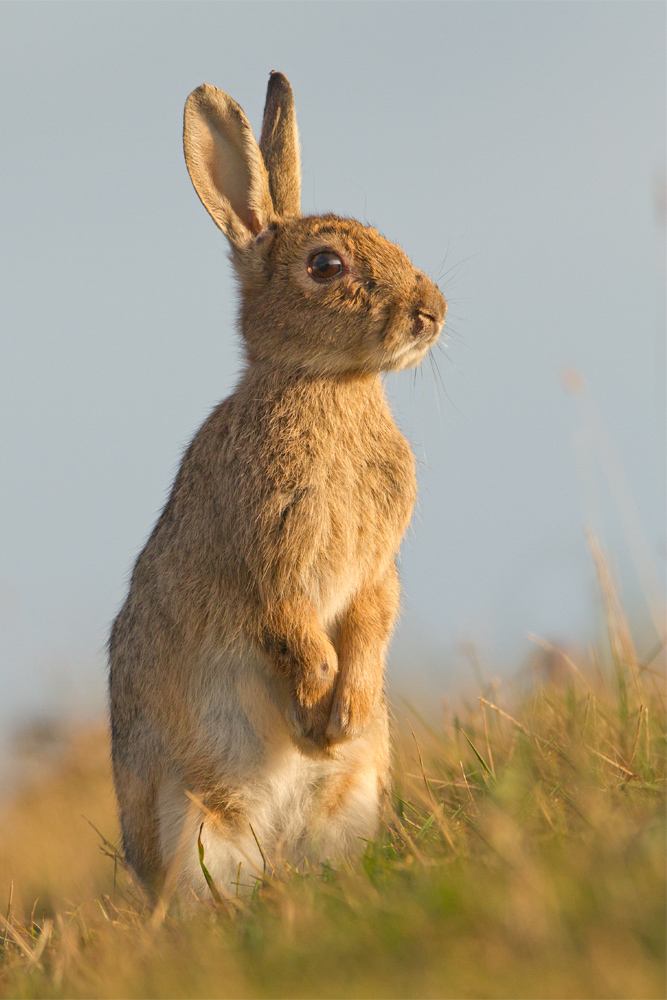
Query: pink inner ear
[{"x": 231, "y": 177}]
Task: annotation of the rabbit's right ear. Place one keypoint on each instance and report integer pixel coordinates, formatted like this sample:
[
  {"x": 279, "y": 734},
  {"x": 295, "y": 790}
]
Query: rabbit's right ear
[
  {"x": 279, "y": 144},
  {"x": 225, "y": 164}
]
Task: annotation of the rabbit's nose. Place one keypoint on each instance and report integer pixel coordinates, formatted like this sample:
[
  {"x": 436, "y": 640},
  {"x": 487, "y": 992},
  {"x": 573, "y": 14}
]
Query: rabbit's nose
[
  {"x": 429, "y": 317},
  {"x": 428, "y": 302},
  {"x": 422, "y": 321}
]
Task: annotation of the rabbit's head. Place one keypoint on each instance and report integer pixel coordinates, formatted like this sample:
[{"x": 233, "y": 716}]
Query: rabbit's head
[{"x": 320, "y": 294}]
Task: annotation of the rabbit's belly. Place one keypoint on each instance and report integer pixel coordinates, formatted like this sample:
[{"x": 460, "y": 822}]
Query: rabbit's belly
[
  {"x": 300, "y": 810},
  {"x": 253, "y": 784},
  {"x": 238, "y": 719},
  {"x": 274, "y": 801}
]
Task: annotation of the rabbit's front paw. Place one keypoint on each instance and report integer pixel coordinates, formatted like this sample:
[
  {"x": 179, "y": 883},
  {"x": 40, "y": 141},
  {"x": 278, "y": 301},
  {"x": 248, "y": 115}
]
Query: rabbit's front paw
[
  {"x": 351, "y": 712},
  {"x": 311, "y": 706}
]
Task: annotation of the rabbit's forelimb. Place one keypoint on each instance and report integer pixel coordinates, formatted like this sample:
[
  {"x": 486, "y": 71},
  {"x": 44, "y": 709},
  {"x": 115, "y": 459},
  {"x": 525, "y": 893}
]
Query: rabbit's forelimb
[
  {"x": 364, "y": 635},
  {"x": 300, "y": 650}
]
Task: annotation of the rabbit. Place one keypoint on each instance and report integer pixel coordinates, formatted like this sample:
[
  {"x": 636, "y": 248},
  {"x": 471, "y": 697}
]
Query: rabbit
[{"x": 246, "y": 665}]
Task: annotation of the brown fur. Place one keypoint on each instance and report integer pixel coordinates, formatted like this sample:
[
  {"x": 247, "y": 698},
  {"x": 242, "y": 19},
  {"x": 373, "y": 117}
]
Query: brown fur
[
  {"x": 279, "y": 145},
  {"x": 267, "y": 591}
]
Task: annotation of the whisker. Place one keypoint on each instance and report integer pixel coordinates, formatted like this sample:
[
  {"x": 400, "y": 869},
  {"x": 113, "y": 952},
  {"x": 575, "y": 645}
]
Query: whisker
[
  {"x": 421, "y": 372},
  {"x": 451, "y": 283},
  {"x": 450, "y": 334},
  {"x": 437, "y": 390},
  {"x": 442, "y": 262},
  {"x": 460, "y": 263},
  {"x": 444, "y": 387}
]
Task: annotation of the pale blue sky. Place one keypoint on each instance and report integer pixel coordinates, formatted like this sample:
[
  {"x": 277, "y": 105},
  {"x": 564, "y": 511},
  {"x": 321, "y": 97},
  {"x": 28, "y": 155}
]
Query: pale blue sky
[{"x": 521, "y": 141}]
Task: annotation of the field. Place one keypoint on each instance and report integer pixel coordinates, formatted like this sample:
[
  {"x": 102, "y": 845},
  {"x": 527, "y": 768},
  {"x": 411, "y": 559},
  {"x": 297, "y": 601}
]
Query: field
[{"x": 523, "y": 855}]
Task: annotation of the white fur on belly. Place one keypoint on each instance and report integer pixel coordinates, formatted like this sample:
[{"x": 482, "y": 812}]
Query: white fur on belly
[
  {"x": 289, "y": 809},
  {"x": 300, "y": 807}
]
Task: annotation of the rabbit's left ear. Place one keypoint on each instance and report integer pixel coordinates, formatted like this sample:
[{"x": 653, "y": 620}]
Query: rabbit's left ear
[
  {"x": 279, "y": 144},
  {"x": 225, "y": 164}
]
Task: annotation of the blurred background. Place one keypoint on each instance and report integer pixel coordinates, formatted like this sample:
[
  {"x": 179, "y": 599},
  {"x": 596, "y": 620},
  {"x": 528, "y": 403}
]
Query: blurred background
[{"x": 516, "y": 152}]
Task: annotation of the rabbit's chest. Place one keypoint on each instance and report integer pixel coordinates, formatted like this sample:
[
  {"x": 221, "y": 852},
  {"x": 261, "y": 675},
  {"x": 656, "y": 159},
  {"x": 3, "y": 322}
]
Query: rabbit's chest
[
  {"x": 382, "y": 492},
  {"x": 368, "y": 500}
]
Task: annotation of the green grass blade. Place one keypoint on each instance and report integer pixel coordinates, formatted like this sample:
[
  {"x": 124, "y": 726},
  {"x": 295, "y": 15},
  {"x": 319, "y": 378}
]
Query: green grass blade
[
  {"x": 478, "y": 755},
  {"x": 207, "y": 875}
]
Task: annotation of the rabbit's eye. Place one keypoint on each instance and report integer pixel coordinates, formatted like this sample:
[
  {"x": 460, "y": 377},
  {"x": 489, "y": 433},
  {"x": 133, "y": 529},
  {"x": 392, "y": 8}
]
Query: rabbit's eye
[{"x": 325, "y": 265}]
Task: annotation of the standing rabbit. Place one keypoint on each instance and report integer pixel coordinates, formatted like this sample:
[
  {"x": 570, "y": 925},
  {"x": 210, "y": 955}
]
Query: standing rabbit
[{"x": 247, "y": 661}]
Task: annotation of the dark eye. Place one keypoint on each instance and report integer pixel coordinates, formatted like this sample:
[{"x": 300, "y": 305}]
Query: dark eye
[{"x": 325, "y": 265}]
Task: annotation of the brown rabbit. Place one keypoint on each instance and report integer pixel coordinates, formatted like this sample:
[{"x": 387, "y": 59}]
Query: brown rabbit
[{"x": 247, "y": 661}]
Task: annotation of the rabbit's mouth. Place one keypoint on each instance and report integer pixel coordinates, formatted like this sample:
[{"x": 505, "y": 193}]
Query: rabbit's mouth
[
  {"x": 407, "y": 338},
  {"x": 410, "y": 353}
]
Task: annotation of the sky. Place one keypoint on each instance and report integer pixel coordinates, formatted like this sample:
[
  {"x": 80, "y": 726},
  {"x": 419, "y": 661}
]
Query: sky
[{"x": 514, "y": 150}]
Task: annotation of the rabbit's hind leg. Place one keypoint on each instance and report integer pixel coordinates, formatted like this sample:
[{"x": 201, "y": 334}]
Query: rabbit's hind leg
[
  {"x": 232, "y": 858},
  {"x": 137, "y": 799},
  {"x": 348, "y": 812},
  {"x": 206, "y": 832}
]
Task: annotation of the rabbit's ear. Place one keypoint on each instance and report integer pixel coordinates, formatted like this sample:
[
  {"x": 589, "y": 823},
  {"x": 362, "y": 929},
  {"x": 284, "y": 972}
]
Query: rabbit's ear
[
  {"x": 280, "y": 146},
  {"x": 225, "y": 164}
]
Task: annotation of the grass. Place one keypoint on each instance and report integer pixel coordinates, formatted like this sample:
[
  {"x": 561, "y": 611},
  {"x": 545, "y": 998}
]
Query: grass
[{"x": 523, "y": 856}]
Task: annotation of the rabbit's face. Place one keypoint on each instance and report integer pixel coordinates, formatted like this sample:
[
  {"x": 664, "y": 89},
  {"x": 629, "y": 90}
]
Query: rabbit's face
[{"x": 330, "y": 295}]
